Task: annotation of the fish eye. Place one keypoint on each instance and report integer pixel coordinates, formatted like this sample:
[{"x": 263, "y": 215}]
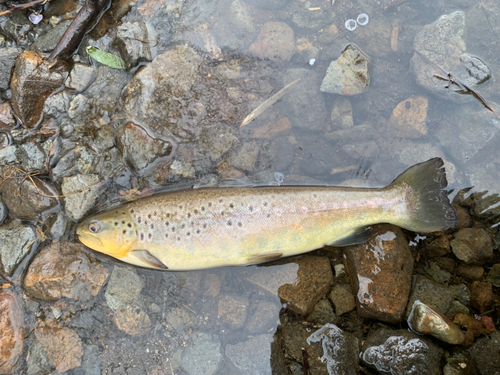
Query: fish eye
[{"x": 94, "y": 227}]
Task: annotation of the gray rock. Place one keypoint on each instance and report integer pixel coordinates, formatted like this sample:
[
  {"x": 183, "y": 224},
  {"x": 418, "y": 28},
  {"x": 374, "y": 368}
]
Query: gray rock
[
  {"x": 182, "y": 169},
  {"x": 348, "y": 75},
  {"x": 430, "y": 293},
  {"x": 133, "y": 42},
  {"x": 3, "y": 211},
  {"x": 485, "y": 354},
  {"x": 462, "y": 293},
  {"x": 78, "y": 204},
  {"x": 8, "y": 57},
  {"x": 322, "y": 313},
  {"x": 493, "y": 275},
  {"x": 472, "y": 245},
  {"x": 38, "y": 363},
  {"x": 47, "y": 41},
  {"x": 275, "y": 42},
  {"x": 217, "y": 140},
  {"x": 240, "y": 16},
  {"x": 91, "y": 362},
  {"x": 362, "y": 150},
  {"x": 264, "y": 318},
  {"x": 181, "y": 320},
  {"x": 342, "y": 298},
  {"x": 245, "y": 156},
  {"x": 79, "y": 107},
  {"x": 7, "y": 155},
  {"x": 56, "y": 105},
  {"x": 80, "y": 77},
  {"x": 202, "y": 354},
  {"x": 17, "y": 26},
  {"x": 270, "y": 4},
  {"x": 107, "y": 86},
  {"x": 32, "y": 156},
  {"x": 251, "y": 357},
  {"x": 16, "y": 241},
  {"x": 124, "y": 287},
  {"x": 354, "y": 134},
  {"x": 342, "y": 113},
  {"x": 283, "y": 153}
]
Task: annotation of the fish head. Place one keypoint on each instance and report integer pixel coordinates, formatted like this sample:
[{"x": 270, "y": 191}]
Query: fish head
[{"x": 113, "y": 233}]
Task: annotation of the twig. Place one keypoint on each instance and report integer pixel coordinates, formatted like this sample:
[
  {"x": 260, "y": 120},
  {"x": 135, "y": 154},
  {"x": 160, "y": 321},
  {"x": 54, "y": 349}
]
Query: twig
[{"x": 15, "y": 7}]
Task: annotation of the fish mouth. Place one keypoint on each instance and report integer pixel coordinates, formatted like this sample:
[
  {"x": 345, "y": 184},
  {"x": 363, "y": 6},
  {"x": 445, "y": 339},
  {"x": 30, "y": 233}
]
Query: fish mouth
[{"x": 85, "y": 239}]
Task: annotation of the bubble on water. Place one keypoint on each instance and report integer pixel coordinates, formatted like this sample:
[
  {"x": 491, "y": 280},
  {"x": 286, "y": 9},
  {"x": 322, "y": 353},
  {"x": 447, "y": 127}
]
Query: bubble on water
[
  {"x": 279, "y": 177},
  {"x": 312, "y": 61},
  {"x": 351, "y": 24},
  {"x": 363, "y": 19}
]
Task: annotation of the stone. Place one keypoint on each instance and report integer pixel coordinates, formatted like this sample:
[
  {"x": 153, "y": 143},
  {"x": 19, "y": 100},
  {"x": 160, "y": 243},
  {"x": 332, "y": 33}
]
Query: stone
[
  {"x": 472, "y": 246},
  {"x": 322, "y": 313},
  {"x": 270, "y": 4},
  {"x": 251, "y": 356},
  {"x": 481, "y": 295},
  {"x": 181, "y": 320},
  {"x": 470, "y": 272},
  {"x": 275, "y": 42},
  {"x": 64, "y": 270},
  {"x": 81, "y": 192},
  {"x": 409, "y": 117},
  {"x": 283, "y": 152},
  {"x": 240, "y": 17},
  {"x": 269, "y": 280},
  {"x": 132, "y": 320},
  {"x": 485, "y": 354},
  {"x": 8, "y": 57},
  {"x": 353, "y": 134},
  {"x": 245, "y": 157},
  {"x": 430, "y": 293},
  {"x": 232, "y": 311},
  {"x": 362, "y": 150},
  {"x": 457, "y": 308},
  {"x": 314, "y": 278},
  {"x": 80, "y": 77},
  {"x": 348, "y": 75},
  {"x": 17, "y": 26},
  {"x": 202, "y": 354},
  {"x": 462, "y": 293},
  {"x": 62, "y": 345},
  {"x": 494, "y": 275},
  {"x": 47, "y": 41},
  {"x": 264, "y": 318},
  {"x": 7, "y": 120},
  {"x": 33, "y": 81},
  {"x": 380, "y": 272},
  {"x": 273, "y": 129},
  {"x": 133, "y": 42},
  {"x": 217, "y": 140},
  {"x": 438, "y": 247},
  {"x": 437, "y": 274},
  {"x": 401, "y": 352},
  {"x": 342, "y": 298},
  {"x": 342, "y": 113},
  {"x": 11, "y": 331},
  {"x": 3, "y": 211},
  {"x": 182, "y": 169},
  {"x": 464, "y": 220},
  {"x": 16, "y": 241},
  {"x": 124, "y": 287},
  {"x": 37, "y": 361}
]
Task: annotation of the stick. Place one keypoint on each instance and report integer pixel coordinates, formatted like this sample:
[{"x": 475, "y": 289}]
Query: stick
[{"x": 14, "y": 7}]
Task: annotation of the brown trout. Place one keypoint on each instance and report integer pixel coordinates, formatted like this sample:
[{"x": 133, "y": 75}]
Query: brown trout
[{"x": 214, "y": 227}]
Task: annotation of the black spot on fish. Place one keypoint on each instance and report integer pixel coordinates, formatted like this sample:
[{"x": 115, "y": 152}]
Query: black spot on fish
[
  {"x": 123, "y": 221},
  {"x": 132, "y": 211},
  {"x": 145, "y": 222},
  {"x": 192, "y": 223},
  {"x": 152, "y": 226},
  {"x": 167, "y": 224},
  {"x": 166, "y": 235},
  {"x": 123, "y": 213},
  {"x": 229, "y": 222},
  {"x": 149, "y": 216},
  {"x": 173, "y": 229},
  {"x": 178, "y": 238},
  {"x": 189, "y": 215},
  {"x": 124, "y": 231},
  {"x": 142, "y": 236},
  {"x": 250, "y": 208},
  {"x": 183, "y": 225},
  {"x": 203, "y": 208},
  {"x": 139, "y": 219},
  {"x": 239, "y": 224},
  {"x": 222, "y": 213},
  {"x": 268, "y": 215},
  {"x": 154, "y": 213},
  {"x": 315, "y": 196},
  {"x": 168, "y": 215},
  {"x": 180, "y": 207},
  {"x": 265, "y": 204},
  {"x": 197, "y": 231},
  {"x": 210, "y": 204},
  {"x": 195, "y": 211},
  {"x": 129, "y": 225},
  {"x": 204, "y": 225},
  {"x": 188, "y": 233},
  {"x": 116, "y": 223},
  {"x": 149, "y": 235},
  {"x": 231, "y": 205}
]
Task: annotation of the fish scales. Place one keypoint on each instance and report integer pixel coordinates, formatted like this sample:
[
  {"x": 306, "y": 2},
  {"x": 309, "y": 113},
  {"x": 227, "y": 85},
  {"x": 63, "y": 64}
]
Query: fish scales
[{"x": 212, "y": 227}]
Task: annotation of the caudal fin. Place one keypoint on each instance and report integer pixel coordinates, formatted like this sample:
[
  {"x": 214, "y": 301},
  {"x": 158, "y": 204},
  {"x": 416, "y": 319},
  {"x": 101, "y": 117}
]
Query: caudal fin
[{"x": 429, "y": 209}]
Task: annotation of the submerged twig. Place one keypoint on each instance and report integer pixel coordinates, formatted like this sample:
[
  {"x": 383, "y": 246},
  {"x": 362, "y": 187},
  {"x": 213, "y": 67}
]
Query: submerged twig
[
  {"x": 269, "y": 102},
  {"x": 15, "y": 7}
]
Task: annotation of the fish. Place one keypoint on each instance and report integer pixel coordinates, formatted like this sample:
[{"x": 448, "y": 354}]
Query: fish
[{"x": 236, "y": 226}]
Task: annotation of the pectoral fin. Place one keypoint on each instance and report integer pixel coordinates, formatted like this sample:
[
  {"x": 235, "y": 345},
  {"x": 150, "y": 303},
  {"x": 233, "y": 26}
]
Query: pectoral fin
[
  {"x": 357, "y": 236},
  {"x": 146, "y": 259},
  {"x": 259, "y": 258}
]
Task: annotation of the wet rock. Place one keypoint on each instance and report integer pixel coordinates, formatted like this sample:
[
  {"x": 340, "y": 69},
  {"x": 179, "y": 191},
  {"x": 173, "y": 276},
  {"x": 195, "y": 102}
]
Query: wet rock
[
  {"x": 8, "y": 57},
  {"x": 81, "y": 192},
  {"x": 362, "y": 150},
  {"x": 56, "y": 105},
  {"x": 132, "y": 320},
  {"x": 17, "y": 26},
  {"x": 305, "y": 105},
  {"x": 314, "y": 279},
  {"x": 264, "y": 318},
  {"x": 270, "y": 4},
  {"x": 409, "y": 116},
  {"x": 7, "y": 120},
  {"x": 80, "y": 77},
  {"x": 401, "y": 352},
  {"x": 34, "y": 79},
  {"x": 64, "y": 269},
  {"x": 11, "y": 331},
  {"x": 430, "y": 293},
  {"x": 342, "y": 113},
  {"x": 276, "y": 42},
  {"x": 375, "y": 37},
  {"x": 438, "y": 247},
  {"x": 437, "y": 274},
  {"x": 348, "y": 75},
  {"x": 232, "y": 311},
  {"x": 427, "y": 321},
  {"x": 155, "y": 95},
  {"x": 470, "y": 272},
  {"x": 24, "y": 197},
  {"x": 240, "y": 16},
  {"x": 47, "y": 41},
  {"x": 464, "y": 220},
  {"x": 130, "y": 42},
  {"x": 37, "y": 361},
  {"x": 16, "y": 241},
  {"x": 485, "y": 354},
  {"x": 140, "y": 149},
  {"x": 251, "y": 356},
  {"x": 472, "y": 245},
  {"x": 62, "y": 345},
  {"x": 181, "y": 320},
  {"x": 245, "y": 157},
  {"x": 283, "y": 152},
  {"x": 474, "y": 326},
  {"x": 322, "y": 313},
  {"x": 494, "y": 275},
  {"x": 481, "y": 295},
  {"x": 79, "y": 109},
  {"x": 457, "y": 308},
  {"x": 124, "y": 287},
  {"x": 182, "y": 169},
  {"x": 353, "y": 134},
  {"x": 103, "y": 94},
  {"x": 217, "y": 140},
  {"x": 342, "y": 298},
  {"x": 3, "y": 211},
  {"x": 273, "y": 129},
  {"x": 7, "y": 156},
  {"x": 380, "y": 271},
  {"x": 202, "y": 354},
  {"x": 270, "y": 282},
  {"x": 462, "y": 293},
  {"x": 442, "y": 43}
]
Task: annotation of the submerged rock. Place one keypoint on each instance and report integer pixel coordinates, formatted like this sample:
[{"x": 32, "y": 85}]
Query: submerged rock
[
  {"x": 251, "y": 356},
  {"x": 62, "y": 345},
  {"x": 341, "y": 115},
  {"x": 124, "y": 287},
  {"x": 64, "y": 269},
  {"x": 7, "y": 120},
  {"x": 202, "y": 354},
  {"x": 485, "y": 354},
  {"x": 408, "y": 118},
  {"x": 80, "y": 77},
  {"x": 132, "y": 320},
  {"x": 16, "y": 241},
  {"x": 481, "y": 295},
  {"x": 11, "y": 332},
  {"x": 342, "y": 298},
  {"x": 133, "y": 40},
  {"x": 232, "y": 311},
  {"x": 472, "y": 245},
  {"x": 430, "y": 293},
  {"x": 276, "y": 42}
]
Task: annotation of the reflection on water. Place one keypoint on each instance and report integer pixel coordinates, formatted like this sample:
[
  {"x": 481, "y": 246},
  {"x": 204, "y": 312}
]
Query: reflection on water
[{"x": 114, "y": 135}]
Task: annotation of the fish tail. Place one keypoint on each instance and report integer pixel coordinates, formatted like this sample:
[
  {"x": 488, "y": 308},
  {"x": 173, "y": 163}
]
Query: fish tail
[{"x": 428, "y": 207}]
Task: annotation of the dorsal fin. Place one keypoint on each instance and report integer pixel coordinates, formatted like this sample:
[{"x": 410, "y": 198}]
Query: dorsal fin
[{"x": 357, "y": 236}]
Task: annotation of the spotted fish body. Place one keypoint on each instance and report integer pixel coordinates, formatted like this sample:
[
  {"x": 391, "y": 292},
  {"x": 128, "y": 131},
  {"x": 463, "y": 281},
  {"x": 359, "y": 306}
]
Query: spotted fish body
[{"x": 213, "y": 227}]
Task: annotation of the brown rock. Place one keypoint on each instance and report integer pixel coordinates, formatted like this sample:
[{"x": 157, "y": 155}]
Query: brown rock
[
  {"x": 342, "y": 298},
  {"x": 132, "y": 320},
  {"x": 439, "y": 247},
  {"x": 213, "y": 284},
  {"x": 226, "y": 172},
  {"x": 470, "y": 272},
  {"x": 11, "y": 332},
  {"x": 408, "y": 118},
  {"x": 380, "y": 271},
  {"x": 342, "y": 113},
  {"x": 472, "y": 245},
  {"x": 7, "y": 120},
  {"x": 313, "y": 281},
  {"x": 463, "y": 216},
  {"x": 33, "y": 81},
  {"x": 233, "y": 310},
  {"x": 64, "y": 269},
  {"x": 62, "y": 345},
  {"x": 273, "y": 130},
  {"x": 276, "y": 42},
  {"x": 264, "y": 318},
  {"x": 481, "y": 295}
]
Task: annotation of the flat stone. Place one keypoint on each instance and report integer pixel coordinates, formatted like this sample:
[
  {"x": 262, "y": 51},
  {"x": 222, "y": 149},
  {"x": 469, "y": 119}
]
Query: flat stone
[
  {"x": 472, "y": 245},
  {"x": 130, "y": 42},
  {"x": 322, "y": 313},
  {"x": 16, "y": 241},
  {"x": 252, "y": 356},
  {"x": 37, "y": 361},
  {"x": 8, "y": 57},
  {"x": 47, "y": 41},
  {"x": 80, "y": 77},
  {"x": 240, "y": 16},
  {"x": 485, "y": 354},
  {"x": 7, "y": 119},
  {"x": 124, "y": 287},
  {"x": 348, "y": 75},
  {"x": 84, "y": 197},
  {"x": 430, "y": 293},
  {"x": 245, "y": 156},
  {"x": 217, "y": 140},
  {"x": 64, "y": 269},
  {"x": 313, "y": 281},
  {"x": 270, "y": 279},
  {"x": 62, "y": 345},
  {"x": 342, "y": 113},
  {"x": 11, "y": 332},
  {"x": 380, "y": 271},
  {"x": 264, "y": 318},
  {"x": 276, "y": 42},
  {"x": 342, "y": 298},
  {"x": 481, "y": 295},
  {"x": 132, "y": 320},
  {"x": 273, "y": 129},
  {"x": 409, "y": 117},
  {"x": 438, "y": 247},
  {"x": 202, "y": 354},
  {"x": 232, "y": 310}
]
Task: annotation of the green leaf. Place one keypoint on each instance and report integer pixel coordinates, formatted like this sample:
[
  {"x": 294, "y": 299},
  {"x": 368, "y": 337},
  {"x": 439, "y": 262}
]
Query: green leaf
[{"x": 106, "y": 58}]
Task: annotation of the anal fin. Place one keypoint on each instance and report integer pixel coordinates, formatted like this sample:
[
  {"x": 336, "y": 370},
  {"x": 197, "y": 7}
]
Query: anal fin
[
  {"x": 357, "y": 236},
  {"x": 259, "y": 258},
  {"x": 149, "y": 259}
]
